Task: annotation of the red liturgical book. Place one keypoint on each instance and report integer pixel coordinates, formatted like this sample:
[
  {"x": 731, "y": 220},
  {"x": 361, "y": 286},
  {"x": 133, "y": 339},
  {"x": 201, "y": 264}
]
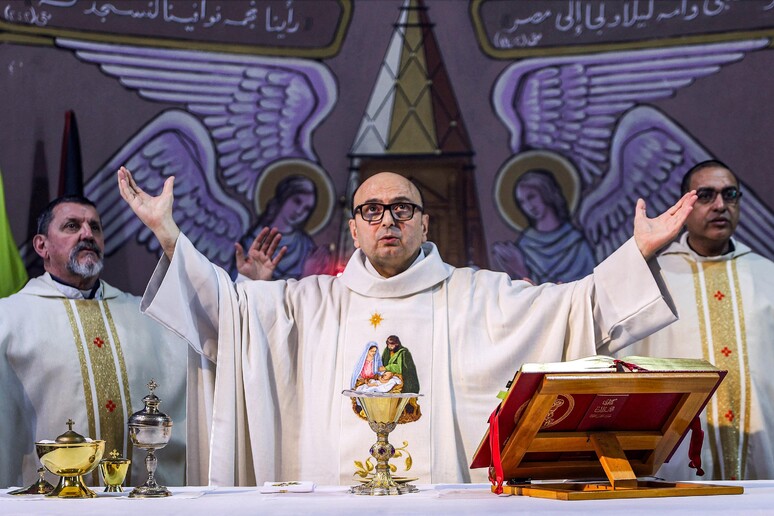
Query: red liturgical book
[{"x": 607, "y": 396}]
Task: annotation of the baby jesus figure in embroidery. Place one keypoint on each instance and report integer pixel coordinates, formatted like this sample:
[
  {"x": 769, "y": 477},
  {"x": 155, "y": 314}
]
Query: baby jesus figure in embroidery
[{"x": 385, "y": 383}]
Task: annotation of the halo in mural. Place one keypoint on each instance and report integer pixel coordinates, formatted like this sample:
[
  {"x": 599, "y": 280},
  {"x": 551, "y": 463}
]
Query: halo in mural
[
  {"x": 564, "y": 172},
  {"x": 266, "y": 187}
]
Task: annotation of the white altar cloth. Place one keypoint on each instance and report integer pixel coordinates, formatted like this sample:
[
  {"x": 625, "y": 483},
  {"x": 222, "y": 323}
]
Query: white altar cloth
[{"x": 444, "y": 499}]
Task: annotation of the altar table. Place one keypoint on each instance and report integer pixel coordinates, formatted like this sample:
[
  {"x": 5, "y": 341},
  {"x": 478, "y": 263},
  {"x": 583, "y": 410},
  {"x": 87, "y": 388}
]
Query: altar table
[{"x": 444, "y": 499}]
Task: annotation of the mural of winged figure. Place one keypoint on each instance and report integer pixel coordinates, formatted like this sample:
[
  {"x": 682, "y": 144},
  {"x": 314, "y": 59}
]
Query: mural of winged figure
[
  {"x": 586, "y": 121},
  {"x": 244, "y": 124}
]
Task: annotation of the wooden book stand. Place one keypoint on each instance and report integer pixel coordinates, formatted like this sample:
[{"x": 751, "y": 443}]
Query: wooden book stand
[{"x": 620, "y": 449}]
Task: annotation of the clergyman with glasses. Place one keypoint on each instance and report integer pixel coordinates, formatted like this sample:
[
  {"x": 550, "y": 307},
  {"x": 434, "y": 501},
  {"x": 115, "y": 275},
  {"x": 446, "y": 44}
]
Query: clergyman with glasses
[
  {"x": 724, "y": 294},
  {"x": 284, "y": 350}
]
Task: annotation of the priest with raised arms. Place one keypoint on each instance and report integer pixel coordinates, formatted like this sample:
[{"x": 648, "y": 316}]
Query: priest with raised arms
[{"x": 284, "y": 350}]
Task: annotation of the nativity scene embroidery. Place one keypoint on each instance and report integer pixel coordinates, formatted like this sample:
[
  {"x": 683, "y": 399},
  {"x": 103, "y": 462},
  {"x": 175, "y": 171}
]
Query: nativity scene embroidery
[{"x": 391, "y": 370}]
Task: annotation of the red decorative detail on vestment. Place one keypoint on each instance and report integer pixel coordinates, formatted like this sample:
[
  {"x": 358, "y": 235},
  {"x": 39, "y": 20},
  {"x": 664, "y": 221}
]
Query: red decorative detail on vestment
[
  {"x": 110, "y": 405},
  {"x": 98, "y": 342},
  {"x": 729, "y": 415},
  {"x": 719, "y": 295},
  {"x": 726, "y": 351}
]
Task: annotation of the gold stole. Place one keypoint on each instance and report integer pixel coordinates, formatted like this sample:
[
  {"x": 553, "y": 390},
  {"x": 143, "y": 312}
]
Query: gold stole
[
  {"x": 724, "y": 343},
  {"x": 103, "y": 369}
]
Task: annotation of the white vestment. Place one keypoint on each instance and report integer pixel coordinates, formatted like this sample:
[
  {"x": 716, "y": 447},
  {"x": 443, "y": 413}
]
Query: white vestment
[
  {"x": 726, "y": 307},
  {"x": 285, "y": 350},
  {"x": 87, "y": 360}
]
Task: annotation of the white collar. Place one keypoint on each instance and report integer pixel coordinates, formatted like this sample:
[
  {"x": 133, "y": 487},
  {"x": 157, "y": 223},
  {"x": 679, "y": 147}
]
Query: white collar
[
  {"x": 76, "y": 293},
  {"x": 423, "y": 274},
  {"x": 681, "y": 246},
  {"x": 372, "y": 270}
]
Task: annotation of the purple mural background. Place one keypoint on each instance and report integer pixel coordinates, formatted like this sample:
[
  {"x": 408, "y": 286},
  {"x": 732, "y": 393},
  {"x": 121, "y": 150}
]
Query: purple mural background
[{"x": 728, "y": 112}]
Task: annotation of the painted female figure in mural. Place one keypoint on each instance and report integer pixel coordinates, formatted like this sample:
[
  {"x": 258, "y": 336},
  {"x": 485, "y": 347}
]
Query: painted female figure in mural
[
  {"x": 550, "y": 248},
  {"x": 289, "y": 210}
]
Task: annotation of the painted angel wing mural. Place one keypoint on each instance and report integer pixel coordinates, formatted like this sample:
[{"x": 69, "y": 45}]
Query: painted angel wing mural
[
  {"x": 241, "y": 115},
  {"x": 591, "y": 111},
  {"x": 649, "y": 156},
  {"x": 756, "y": 224},
  {"x": 174, "y": 143}
]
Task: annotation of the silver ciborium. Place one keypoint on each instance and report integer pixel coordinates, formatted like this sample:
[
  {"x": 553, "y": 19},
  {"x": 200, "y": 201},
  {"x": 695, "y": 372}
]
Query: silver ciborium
[
  {"x": 150, "y": 430},
  {"x": 382, "y": 409}
]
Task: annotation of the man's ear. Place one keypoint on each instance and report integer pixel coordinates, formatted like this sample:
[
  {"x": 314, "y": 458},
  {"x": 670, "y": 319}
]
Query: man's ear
[
  {"x": 39, "y": 244},
  {"x": 353, "y": 232},
  {"x": 425, "y": 226}
]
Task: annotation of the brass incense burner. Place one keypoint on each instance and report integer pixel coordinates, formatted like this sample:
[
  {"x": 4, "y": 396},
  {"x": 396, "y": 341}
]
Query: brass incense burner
[{"x": 70, "y": 457}]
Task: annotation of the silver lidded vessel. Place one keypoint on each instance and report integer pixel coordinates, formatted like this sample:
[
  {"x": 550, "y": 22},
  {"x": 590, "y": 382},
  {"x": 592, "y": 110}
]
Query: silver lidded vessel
[{"x": 150, "y": 430}]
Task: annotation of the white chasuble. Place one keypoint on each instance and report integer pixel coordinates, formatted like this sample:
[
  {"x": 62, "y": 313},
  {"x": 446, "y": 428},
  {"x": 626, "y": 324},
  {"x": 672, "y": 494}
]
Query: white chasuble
[
  {"x": 285, "y": 350},
  {"x": 89, "y": 361},
  {"x": 726, "y": 310}
]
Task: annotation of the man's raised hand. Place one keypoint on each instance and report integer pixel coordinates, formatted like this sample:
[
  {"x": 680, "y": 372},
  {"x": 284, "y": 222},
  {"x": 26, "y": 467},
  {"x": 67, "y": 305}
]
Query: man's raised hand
[
  {"x": 257, "y": 263},
  {"x": 653, "y": 234},
  {"x": 154, "y": 212}
]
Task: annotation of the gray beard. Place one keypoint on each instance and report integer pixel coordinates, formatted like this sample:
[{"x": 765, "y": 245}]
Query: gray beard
[{"x": 84, "y": 270}]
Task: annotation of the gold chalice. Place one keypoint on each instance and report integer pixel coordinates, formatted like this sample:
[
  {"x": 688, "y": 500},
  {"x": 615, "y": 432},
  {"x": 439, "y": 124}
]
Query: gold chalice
[
  {"x": 70, "y": 457},
  {"x": 114, "y": 471},
  {"x": 382, "y": 410}
]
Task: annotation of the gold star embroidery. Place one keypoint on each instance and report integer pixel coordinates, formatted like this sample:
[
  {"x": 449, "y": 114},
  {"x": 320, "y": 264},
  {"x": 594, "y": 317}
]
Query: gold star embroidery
[{"x": 376, "y": 319}]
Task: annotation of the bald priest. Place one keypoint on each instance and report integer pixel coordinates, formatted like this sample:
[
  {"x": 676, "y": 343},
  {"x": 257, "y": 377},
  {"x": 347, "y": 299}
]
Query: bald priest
[{"x": 285, "y": 350}]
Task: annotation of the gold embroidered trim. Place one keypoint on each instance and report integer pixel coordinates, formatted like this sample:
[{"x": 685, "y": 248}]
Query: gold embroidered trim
[
  {"x": 123, "y": 377},
  {"x": 103, "y": 371},
  {"x": 720, "y": 325},
  {"x": 78, "y": 340},
  {"x": 745, "y": 368}
]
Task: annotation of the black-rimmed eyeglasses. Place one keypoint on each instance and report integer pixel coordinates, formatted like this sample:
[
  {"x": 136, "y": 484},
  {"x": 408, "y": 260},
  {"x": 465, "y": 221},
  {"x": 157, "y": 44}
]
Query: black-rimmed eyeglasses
[
  {"x": 374, "y": 211},
  {"x": 729, "y": 194}
]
